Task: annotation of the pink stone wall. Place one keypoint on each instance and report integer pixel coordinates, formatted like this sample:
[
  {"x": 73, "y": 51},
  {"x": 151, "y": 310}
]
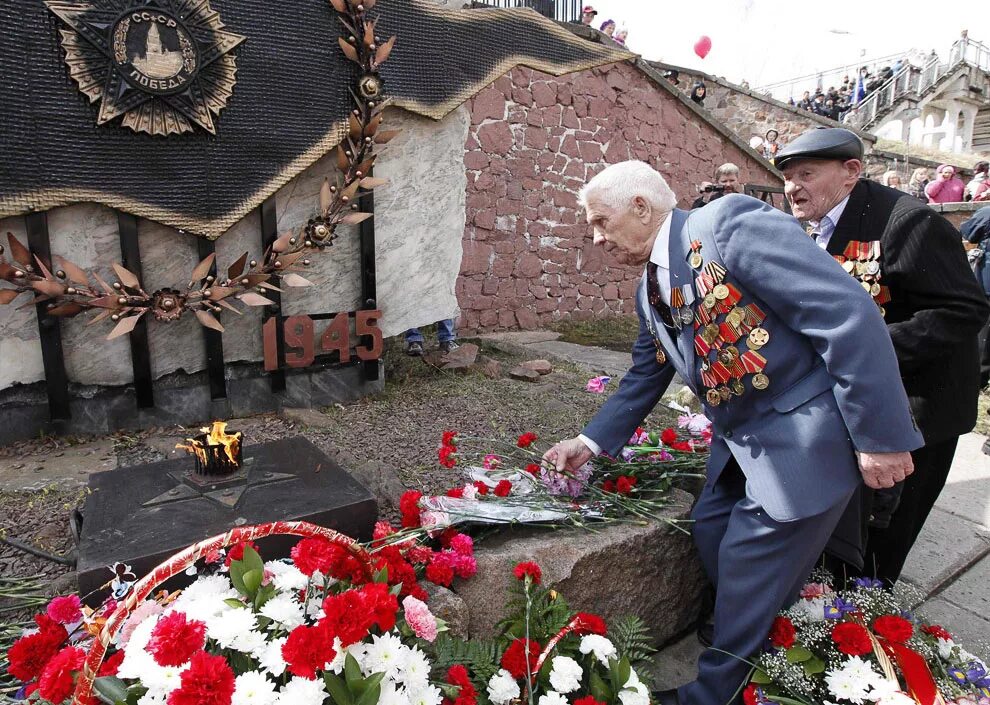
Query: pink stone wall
[{"x": 534, "y": 141}]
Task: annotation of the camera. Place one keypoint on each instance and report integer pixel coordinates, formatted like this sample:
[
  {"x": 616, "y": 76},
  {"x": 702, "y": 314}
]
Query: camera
[{"x": 713, "y": 188}]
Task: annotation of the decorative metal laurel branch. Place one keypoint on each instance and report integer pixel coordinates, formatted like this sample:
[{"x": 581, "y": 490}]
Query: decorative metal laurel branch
[{"x": 67, "y": 291}]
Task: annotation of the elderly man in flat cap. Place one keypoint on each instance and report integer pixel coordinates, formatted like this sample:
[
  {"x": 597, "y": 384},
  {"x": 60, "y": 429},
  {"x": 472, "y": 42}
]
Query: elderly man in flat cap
[
  {"x": 911, "y": 261},
  {"x": 804, "y": 395}
]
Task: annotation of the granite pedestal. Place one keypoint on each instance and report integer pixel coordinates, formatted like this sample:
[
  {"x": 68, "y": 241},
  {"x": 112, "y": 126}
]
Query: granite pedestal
[{"x": 144, "y": 514}]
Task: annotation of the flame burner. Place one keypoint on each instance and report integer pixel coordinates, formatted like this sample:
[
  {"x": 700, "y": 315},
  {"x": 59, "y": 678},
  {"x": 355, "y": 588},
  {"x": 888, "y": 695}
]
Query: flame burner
[{"x": 216, "y": 452}]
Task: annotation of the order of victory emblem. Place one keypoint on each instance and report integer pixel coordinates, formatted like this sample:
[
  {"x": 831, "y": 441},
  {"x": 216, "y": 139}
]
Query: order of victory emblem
[{"x": 164, "y": 66}]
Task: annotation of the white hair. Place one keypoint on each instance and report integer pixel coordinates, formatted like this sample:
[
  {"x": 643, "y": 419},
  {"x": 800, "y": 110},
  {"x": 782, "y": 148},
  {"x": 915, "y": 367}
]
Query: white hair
[{"x": 617, "y": 185}]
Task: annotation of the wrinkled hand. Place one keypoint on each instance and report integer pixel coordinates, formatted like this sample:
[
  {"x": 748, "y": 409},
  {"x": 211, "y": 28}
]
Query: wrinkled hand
[
  {"x": 881, "y": 470},
  {"x": 569, "y": 455}
]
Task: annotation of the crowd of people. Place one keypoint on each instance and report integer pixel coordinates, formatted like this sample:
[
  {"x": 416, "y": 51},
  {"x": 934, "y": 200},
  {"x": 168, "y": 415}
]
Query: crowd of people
[
  {"x": 837, "y": 103},
  {"x": 945, "y": 186},
  {"x": 608, "y": 27}
]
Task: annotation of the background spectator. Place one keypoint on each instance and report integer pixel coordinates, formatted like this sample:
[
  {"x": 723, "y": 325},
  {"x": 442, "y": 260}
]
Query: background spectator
[
  {"x": 698, "y": 93},
  {"x": 608, "y": 27},
  {"x": 621, "y": 36},
  {"x": 979, "y": 178},
  {"x": 920, "y": 178},
  {"x": 726, "y": 181},
  {"x": 976, "y": 231},
  {"x": 892, "y": 179},
  {"x": 770, "y": 144},
  {"x": 946, "y": 188},
  {"x": 587, "y": 16},
  {"x": 446, "y": 338}
]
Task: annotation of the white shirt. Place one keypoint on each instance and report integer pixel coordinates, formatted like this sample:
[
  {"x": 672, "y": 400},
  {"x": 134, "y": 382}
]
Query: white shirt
[
  {"x": 824, "y": 228},
  {"x": 661, "y": 258}
]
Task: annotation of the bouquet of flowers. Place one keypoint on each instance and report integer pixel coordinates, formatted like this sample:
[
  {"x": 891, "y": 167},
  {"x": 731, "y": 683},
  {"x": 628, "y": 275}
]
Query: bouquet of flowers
[
  {"x": 547, "y": 655},
  {"x": 862, "y": 645},
  {"x": 334, "y": 621},
  {"x": 507, "y": 481}
]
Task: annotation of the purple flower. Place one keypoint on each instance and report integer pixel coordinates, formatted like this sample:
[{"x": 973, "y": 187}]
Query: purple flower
[
  {"x": 572, "y": 486},
  {"x": 628, "y": 454},
  {"x": 976, "y": 672},
  {"x": 868, "y": 583},
  {"x": 958, "y": 675},
  {"x": 838, "y": 609}
]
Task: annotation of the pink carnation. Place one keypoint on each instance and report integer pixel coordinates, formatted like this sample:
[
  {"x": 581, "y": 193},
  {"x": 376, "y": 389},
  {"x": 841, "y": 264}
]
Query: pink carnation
[
  {"x": 419, "y": 618},
  {"x": 65, "y": 609},
  {"x": 462, "y": 544},
  {"x": 812, "y": 590},
  {"x": 491, "y": 462},
  {"x": 146, "y": 609}
]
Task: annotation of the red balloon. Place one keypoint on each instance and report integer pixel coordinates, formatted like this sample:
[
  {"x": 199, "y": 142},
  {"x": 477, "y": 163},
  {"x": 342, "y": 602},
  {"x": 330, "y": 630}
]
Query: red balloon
[{"x": 703, "y": 46}]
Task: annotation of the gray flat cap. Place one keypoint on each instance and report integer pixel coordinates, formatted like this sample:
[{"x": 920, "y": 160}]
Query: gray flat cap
[{"x": 821, "y": 143}]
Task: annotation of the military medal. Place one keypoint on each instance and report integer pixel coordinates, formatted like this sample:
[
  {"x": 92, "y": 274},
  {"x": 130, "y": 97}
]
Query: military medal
[
  {"x": 713, "y": 397},
  {"x": 709, "y": 301},
  {"x": 874, "y": 289},
  {"x": 721, "y": 292},
  {"x": 737, "y": 387},
  {"x": 724, "y": 393},
  {"x": 758, "y": 337},
  {"x": 661, "y": 355},
  {"x": 872, "y": 268},
  {"x": 696, "y": 260},
  {"x": 760, "y": 381}
]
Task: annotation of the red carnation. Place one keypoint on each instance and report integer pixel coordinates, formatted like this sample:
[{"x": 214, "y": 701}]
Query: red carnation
[
  {"x": 175, "y": 639},
  {"x": 313, "y": 554},
  {"x": 503, "y": 488},
  {"x": 56, "y": 683},
  {"x": 526, "y": 440},
  {"x": 209, "y": 680},
  {"x": 852, "y": 639},
  {"x": 349, "y": 616},
  {"x": 668, "y": 436},
  {"x": 893, "y": 628},
  {"x": 533, "y": 469},
  {"x": 382, "y": 530},
  {"x": 588, "y": 700},
  {"x": 467, "y": 695},
  {"x": 936, "y": 631},
  {"x": 514, "y": 658},
  {"x": 782, "y": 633},
  {"x": 112, "y": 664},
  {"x": 588, "y": 623},
  {"x": 458, "y": 675},
  {"x": 307, "y": 650},
  {"x": 608, "y": 486},
  {"x": 446, "y": 455},
  {"x": 530, "y": 570},
  {"x": 481, "y": 487},
  {"x": 236, "y": 553},
  {"x": 682, "y": 446},
  {"x": 449, "y": 438},
  {"x": 381, "y": 604},
  {"x": 409, "y": 506},
  {"x": 456, "y": 492},
  {"x": 440, "y": 572},
  {"x": 65, "y": 609},
  {"x": 625, "y": 484},
  {"x": 27, "y": 657},
  {"x": 749, "y": 695}
]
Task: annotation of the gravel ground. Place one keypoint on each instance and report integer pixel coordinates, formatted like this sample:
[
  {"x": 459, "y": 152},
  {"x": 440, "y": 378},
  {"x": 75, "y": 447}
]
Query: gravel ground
[{"x": 400, "y": 429}]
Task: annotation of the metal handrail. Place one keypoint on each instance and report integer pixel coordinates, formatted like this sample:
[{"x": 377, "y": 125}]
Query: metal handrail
[
  {"x": 833, "y": 71},
  {"x": 559, "y": 10},
  {"x": 907, "y": 80}
]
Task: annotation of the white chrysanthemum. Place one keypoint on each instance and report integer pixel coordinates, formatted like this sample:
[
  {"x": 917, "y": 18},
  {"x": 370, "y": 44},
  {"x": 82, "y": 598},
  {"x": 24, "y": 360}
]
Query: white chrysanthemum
[
  {"x": 391, "y": 694},
  {"x": 502, "y": 688},
  {"x": 253, "y": 688},
  {"x": 287, "y": 577},
  {"x": 233, "y": 629},
  {"x": 284, "y": 610},
  {"x": 302, "y": 691},
  {"x": 359, "y": 651},
  {"x": 430, "y": 695},
  {"x": 205, "y": 598},
  {"x": 340, "y": 655},
  {"x": 602, "y": 648},
  {"x": 845, "y": 686},
  {"x": 385, "y": 654},
  {"x": 897, "y": 698},
  {"x": 136, "y": 658},
  {"x": 416, "y": 673},
  {"x": 269, "y": 656},
  {"x": 552, "y": 698},
  {"x": 162, "y": 680},
  {"x": 882, "y": 688},
  {"x": 565, "y": 674},
  {"x": 861, "y": 671},
  {"x": 150, "y": 698}
]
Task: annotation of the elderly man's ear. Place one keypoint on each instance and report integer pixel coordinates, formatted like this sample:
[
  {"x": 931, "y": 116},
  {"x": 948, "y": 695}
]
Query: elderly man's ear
[{"x": 641, "y": 208}]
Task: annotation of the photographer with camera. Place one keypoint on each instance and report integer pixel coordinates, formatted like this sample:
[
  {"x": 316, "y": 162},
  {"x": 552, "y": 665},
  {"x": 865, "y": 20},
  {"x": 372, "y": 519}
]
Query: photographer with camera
[{"x": 726, "y": 181}]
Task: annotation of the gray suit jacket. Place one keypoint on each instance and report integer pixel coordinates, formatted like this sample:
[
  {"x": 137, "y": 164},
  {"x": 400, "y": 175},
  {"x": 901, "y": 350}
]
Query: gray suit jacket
[{"x": 834, "y": 381}]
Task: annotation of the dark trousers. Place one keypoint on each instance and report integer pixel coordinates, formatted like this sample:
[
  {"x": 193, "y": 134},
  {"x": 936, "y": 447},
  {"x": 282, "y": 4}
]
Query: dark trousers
[
  {"x": 758, "y": 566},
  {"x": 985, "y": 353},
  {"x": 887, "y": 549}
]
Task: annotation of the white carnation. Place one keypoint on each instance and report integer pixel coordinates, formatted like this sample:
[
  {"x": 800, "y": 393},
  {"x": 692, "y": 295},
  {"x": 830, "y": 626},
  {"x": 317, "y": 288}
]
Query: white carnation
[
  {"x": 284, "y": 610},
  {"x": 552, "y": 698},
  {"x": 253, "y": 688},
  {"x": 502, "y": 688},
  {"x": 945, "y": 647},
  {"x": 430, "y": 695},
  {"x": 287, "y": 577},
  {"x": 385, "y": 654},
  {"x": 634, "y": 692},
  {"x": 302, "y": 691},
  {"x": 602, "y": 648},
  {"x": 565, "y": 674},
  {"x": 269, "y": 656}
]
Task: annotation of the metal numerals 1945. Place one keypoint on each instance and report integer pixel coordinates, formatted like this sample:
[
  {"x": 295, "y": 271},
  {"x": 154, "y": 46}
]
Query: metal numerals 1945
[{"x": 302, "y": 345}]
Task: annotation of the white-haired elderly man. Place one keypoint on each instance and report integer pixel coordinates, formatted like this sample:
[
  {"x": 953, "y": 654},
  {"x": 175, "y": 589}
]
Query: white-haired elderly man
[{"x": 804, "y": 395}]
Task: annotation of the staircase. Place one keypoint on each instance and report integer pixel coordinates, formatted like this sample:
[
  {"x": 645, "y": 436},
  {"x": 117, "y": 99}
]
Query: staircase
[{"x": 981, "y": 131}]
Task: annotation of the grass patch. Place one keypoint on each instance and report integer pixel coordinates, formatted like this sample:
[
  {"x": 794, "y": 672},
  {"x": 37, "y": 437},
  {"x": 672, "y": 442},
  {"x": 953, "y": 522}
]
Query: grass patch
[
  {"x": 982, "y": 415},
  {"x": 616, "y": 333}
]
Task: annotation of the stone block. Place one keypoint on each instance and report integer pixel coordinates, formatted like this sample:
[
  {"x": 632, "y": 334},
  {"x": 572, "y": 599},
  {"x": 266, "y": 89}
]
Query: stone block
[
  {"x": 524, "y": 374},
  {"x": 449, "y": 607},
  {"x": 649, "y": 571},
  {"x": 946, "y": 546},
  {"x": 543, "y": 367}
]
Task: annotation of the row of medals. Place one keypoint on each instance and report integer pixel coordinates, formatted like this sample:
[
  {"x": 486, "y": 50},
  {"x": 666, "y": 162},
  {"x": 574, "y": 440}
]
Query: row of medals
[
  {"x": 862, "y": 261},
  {"x": 721, "y": 375}
]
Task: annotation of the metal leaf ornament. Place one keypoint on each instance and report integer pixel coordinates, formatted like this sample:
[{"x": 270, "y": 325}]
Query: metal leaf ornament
[{"x": 66, "y": 288}]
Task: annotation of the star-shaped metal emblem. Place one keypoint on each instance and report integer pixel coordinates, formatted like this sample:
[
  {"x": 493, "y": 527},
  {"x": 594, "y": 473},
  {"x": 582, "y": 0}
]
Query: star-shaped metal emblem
[{"x": 164, "y": 65}]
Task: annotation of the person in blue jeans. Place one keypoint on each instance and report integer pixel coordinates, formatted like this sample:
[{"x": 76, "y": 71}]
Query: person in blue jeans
[{"x": 446, "y": 338}]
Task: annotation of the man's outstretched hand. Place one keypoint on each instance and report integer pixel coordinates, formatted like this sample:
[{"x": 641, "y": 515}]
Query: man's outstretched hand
[
  {"x": 569, "y": 455},
  {"x": 881, "y": 470}
]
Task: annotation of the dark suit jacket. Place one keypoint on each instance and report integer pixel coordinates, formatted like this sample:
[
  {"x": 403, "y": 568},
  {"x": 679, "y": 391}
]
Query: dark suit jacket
[{"x": 936, "y": 307}]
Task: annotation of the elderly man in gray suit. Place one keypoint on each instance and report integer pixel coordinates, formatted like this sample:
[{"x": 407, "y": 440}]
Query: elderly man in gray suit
[{"x": 804, "y": 393}]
